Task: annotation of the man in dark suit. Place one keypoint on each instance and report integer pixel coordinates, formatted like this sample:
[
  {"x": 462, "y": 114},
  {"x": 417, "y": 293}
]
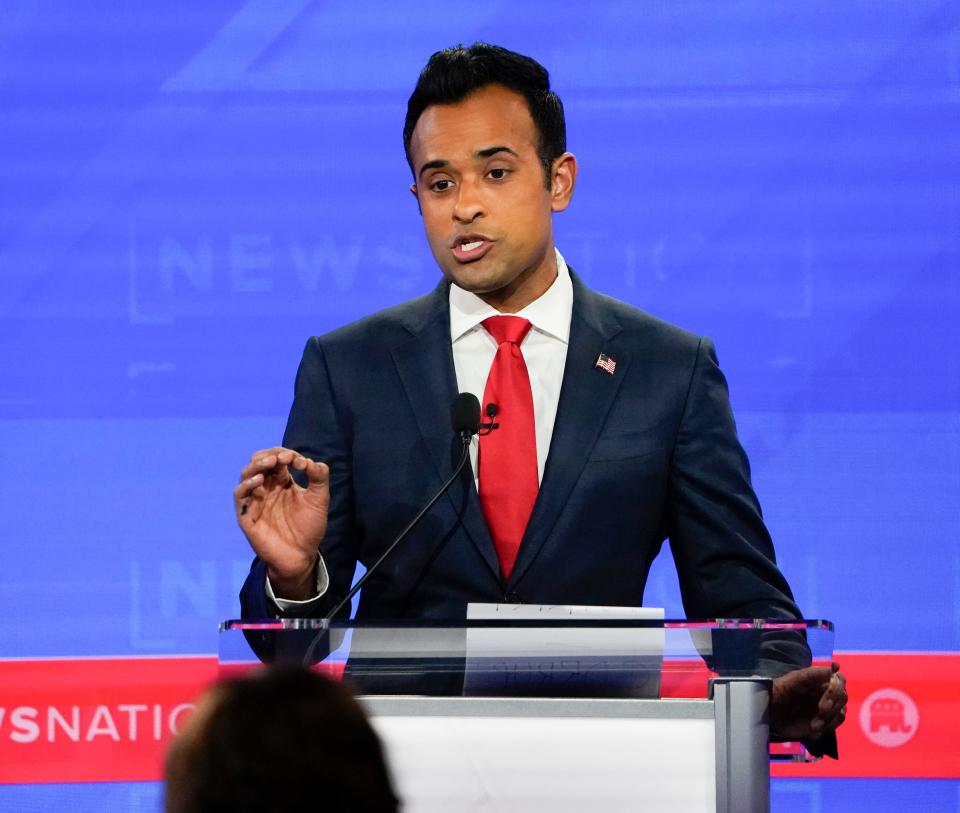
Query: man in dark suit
[{"x": 616, "y": 434}]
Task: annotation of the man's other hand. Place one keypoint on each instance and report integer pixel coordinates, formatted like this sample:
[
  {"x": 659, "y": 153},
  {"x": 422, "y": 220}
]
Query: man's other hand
[
  {"x": 283, "y": 522},
  {"x": 808, "y": 704}
]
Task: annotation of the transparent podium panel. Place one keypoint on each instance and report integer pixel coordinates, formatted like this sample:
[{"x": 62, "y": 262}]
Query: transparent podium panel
[
  {"x": 558, "y": 712},
  {"x": 555, "y": 657}
]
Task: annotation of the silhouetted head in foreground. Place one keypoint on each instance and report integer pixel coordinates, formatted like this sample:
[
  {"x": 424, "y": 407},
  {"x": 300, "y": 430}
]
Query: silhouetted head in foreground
[{"x": 281, "y": 740}]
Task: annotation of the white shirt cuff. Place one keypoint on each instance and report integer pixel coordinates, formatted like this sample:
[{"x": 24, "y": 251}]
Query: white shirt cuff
[{"x": 286, "y": 604}]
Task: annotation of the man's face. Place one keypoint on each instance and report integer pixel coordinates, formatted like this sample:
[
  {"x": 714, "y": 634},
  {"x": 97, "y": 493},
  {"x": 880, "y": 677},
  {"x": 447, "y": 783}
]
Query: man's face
[{"x": 483, "y": 197}]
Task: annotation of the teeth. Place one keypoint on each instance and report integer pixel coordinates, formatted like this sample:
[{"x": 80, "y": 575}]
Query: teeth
[{"x": 471, "y": 246}]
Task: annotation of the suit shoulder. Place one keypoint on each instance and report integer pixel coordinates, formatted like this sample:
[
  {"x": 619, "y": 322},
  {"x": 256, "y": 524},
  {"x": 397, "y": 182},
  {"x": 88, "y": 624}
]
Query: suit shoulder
[{"x": 638, "y": 325}]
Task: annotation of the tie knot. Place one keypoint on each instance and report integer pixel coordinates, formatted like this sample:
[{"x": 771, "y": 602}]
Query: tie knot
[{"x": 510, "y": 329}]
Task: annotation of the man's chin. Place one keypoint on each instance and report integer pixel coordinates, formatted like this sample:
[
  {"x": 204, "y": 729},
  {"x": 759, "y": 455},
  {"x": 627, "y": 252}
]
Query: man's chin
[{"x": 477, "y": 282}]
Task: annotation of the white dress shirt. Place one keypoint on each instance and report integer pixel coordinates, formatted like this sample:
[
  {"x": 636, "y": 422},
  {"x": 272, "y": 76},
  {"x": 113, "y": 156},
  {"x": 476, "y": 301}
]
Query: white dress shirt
[{"x": 544, "y": 350}]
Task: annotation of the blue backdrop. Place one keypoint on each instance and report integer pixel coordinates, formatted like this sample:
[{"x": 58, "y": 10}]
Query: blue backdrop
[{"x": 189, "y": 190}]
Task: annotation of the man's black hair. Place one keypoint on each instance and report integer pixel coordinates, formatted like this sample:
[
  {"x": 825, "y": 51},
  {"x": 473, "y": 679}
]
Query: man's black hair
[{"x": 454, "y": 73}]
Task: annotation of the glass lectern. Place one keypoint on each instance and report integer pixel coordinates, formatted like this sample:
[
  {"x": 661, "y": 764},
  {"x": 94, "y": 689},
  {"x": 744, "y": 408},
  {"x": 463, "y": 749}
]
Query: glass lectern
[{"x": 559, "y": 713}]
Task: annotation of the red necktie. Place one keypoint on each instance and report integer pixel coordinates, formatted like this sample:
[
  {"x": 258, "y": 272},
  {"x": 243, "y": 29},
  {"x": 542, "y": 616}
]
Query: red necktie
[{"x": 508, "y": 454}]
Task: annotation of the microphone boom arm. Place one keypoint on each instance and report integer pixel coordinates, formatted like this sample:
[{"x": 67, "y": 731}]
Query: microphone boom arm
[{"x": 465, "y": 436}]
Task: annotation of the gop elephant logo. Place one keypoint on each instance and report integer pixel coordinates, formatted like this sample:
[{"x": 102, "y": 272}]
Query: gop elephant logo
[{"x": 889, "y": 718}]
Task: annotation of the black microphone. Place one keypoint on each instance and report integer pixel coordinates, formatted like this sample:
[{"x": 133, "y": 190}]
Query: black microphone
[
  {"x": 465, "y": 416},
  {"x": 492, "y": 411}
]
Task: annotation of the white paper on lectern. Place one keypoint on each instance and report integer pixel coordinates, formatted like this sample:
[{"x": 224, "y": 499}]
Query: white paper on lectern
[
  {"x": 556, "y": 661},
  {"x": 554, "y": 641}
]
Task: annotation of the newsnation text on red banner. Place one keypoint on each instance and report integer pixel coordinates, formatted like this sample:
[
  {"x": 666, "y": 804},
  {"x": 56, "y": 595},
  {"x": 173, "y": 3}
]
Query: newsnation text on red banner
[{"x": 110, "y": 719}]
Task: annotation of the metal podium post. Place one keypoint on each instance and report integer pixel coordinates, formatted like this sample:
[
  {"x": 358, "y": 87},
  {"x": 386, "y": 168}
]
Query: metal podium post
[{"x": 742, "y": 729}]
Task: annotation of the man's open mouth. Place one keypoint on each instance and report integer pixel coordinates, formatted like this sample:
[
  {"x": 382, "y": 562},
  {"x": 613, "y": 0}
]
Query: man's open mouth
[{"x": 471, "y": 247}]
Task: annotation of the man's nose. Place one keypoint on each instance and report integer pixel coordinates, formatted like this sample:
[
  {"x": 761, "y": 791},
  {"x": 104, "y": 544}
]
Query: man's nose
[{"x": 469, "y": 205}]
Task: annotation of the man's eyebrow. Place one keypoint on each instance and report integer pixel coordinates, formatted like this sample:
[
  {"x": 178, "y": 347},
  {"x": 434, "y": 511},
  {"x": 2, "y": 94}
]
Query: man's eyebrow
[
  {"x": 437, "y": 163},
  {"x": 488, "y": 151}
]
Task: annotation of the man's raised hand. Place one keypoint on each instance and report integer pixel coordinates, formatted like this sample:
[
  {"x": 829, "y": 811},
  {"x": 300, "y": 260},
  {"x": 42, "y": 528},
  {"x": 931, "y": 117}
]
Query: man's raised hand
[{"x": 283, "y": 522}]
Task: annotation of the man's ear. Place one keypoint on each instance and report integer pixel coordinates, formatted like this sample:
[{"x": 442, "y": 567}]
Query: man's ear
[
  {"x": 564, "y": 179},
  {"x": 416, "y": 194}
]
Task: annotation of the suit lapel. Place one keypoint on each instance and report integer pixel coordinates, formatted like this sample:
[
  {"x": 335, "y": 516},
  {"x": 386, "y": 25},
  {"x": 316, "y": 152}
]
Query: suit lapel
[
  {"x": 425, "y": 366},
  {"x": 586, "y": 395}
]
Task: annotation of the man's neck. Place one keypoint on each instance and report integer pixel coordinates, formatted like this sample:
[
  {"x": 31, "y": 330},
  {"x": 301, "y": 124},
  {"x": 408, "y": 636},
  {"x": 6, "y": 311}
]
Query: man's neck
[{"x": 527, "y": 288}]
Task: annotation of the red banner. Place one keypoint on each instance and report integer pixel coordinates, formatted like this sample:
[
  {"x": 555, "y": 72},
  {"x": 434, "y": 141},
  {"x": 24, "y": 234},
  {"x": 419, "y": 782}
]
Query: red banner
[
  {"x": 110, "y": 719},
  {"x": 902, "y": 719},
  {"x": 94, "y": 720}
]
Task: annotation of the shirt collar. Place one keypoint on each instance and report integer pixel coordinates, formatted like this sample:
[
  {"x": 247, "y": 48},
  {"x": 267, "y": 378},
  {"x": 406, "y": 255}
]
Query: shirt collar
[{"x": 550, "y": 313}]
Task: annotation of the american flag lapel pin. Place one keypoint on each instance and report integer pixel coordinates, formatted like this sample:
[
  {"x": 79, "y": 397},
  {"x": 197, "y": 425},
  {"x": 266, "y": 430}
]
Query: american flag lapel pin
[{"x": 605, "y": 363}]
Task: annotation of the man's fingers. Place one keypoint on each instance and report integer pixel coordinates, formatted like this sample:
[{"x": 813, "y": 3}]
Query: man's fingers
[
  {"x": 828, "y": 721},
  {"x": 820, "y": 673},
  {"x": 812, "y": 699},
  {"x": 834, "y": 720},
  {"x": 247, "y": 498},
  {"x": 274, "y": 461},
  {"x": 313, "y": 470},
  {"x": 269, "y": 470},
  {"x": 317, "y": 473},
  {"x": 832, "y": 709},
  {"x": 258, "y": 464},
  {"x": 267, "y": 459},
  {"x": 808, "y": 685},
  {"x": 247, "y": 487},
  {"x": 825, "y": 681},
  {"x": 835, "y": 693}
]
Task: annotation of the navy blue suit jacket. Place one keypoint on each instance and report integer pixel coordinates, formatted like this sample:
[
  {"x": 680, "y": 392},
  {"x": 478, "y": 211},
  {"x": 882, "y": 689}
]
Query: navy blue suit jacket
[{"x": 647, "y": 453}]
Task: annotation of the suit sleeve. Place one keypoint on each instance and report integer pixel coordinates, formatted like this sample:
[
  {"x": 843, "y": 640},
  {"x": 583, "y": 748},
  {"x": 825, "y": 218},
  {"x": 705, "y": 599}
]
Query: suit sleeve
[
  {"x": 721, "y": 546},
  {"x": 722, "y": 549},
  {"x": 318, "y": 430}
]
